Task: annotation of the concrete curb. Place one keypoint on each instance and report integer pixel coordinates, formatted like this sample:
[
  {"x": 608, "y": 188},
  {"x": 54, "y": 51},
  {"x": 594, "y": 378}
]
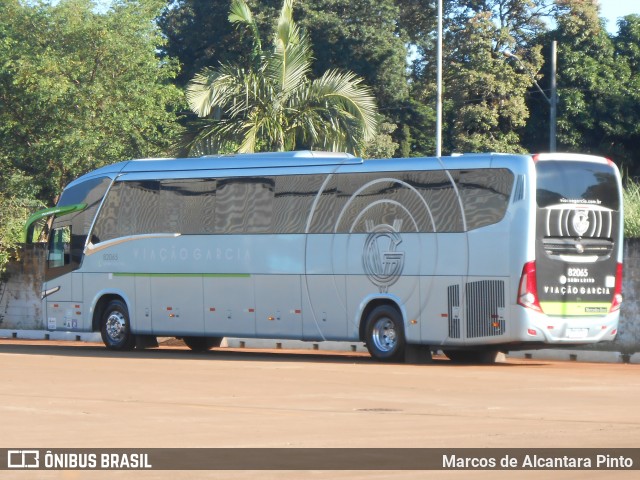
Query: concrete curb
[{"x": 50, "y": 335}]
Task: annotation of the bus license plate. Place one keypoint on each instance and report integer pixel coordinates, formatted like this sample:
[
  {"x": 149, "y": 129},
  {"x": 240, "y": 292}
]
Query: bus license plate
[{"x": 577, "y": 332}]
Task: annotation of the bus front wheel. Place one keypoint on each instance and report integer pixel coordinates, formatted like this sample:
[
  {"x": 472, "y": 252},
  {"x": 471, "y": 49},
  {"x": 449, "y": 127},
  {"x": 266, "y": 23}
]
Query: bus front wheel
[
  {"x": 115, "y": 327},
  {"x": 202, "y": 344},
  {"x": 385, "y": 334}
]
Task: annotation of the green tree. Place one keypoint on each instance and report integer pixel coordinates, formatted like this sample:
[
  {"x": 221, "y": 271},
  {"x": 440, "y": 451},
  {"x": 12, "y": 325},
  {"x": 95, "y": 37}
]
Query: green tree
[
  {"x": 80, "y": 89},
  {"x": 273, "y": 104},
  {"x": 382, "y": 144},
  {"x": 16, "y": 203},
  {"x": 593, "y": 83},
  {"x": 363, "y": 36},
  {"x": 199, "y": 34},
  {"x": 486, "y": 109},
  {"x": 627, "y": 42},
  {"x": 416, "y": 115},
  {"x": 625, "y": 112},
  {"x": 484, "y": 92}
]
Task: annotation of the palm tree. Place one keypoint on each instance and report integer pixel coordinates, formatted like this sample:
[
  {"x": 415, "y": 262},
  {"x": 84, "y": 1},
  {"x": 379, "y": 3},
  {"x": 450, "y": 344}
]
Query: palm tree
[{"x": 274, "y": 105}]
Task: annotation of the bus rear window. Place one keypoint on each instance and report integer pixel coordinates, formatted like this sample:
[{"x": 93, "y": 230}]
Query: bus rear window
[{"x": 586, "y": 183}]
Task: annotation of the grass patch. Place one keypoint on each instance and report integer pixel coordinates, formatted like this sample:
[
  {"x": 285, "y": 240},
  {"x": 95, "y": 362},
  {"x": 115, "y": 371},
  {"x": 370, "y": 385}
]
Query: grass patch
[{"x": 631, "y": 198}]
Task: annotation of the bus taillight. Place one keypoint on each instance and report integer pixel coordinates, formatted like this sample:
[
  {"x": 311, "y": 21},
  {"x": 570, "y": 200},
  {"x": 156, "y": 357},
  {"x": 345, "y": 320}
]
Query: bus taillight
[
  {"x": 528, "y": 291},
  {"x": 617, "y": 293}
]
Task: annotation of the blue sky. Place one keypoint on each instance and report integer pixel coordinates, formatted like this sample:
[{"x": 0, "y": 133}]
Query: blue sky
[{"x": 614, "y": 9}]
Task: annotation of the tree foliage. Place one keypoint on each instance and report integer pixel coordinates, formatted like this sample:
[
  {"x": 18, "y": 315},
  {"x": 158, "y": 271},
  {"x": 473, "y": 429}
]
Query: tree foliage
[
  {"x": 89, "y": 88},
  {"x": 587, "y": 72},
  {"x": 598, "y": 88},
  {"x": 362, "y": 36},
  {"x": 487, "y": 109},
  {"x": 272, "y": 104},
  {"x": 200, "y": 35},
  {"x": 624, "y": 142},
  {"x": 79, "y": 89}
]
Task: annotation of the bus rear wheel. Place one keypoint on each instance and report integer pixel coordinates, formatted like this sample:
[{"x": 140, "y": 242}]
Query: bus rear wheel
[
  {"x": 202, "y": 344},
  {"x": 115, "y": 327},
  {"x": 385, "y": 334}
]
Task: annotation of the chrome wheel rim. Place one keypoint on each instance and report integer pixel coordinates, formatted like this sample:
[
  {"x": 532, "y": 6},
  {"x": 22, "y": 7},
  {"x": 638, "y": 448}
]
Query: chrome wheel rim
[
  {"x": 384, "y": 335},
  {"x": 116, "y": 326}
]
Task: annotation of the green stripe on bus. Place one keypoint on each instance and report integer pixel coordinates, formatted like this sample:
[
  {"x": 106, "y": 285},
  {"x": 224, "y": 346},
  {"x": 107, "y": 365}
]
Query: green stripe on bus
[
  {"x": 208, "y": 275},
  {"x": 566, "y": 309}
]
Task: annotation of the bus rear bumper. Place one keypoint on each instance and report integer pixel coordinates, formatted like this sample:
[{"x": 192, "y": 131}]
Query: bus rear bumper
[{"x": 572, "y": 330}]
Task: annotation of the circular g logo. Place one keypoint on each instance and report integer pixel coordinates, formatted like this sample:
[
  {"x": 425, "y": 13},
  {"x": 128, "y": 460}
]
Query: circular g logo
[
  {"x": 382, "y": 263},
  {"x": 580, "y": 221}
]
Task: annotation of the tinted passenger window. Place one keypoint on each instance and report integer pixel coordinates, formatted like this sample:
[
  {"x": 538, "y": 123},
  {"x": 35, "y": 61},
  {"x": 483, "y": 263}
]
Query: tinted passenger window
[
  {"x": 244, "y": 205},
  {"x": 189, "y": 205},
  {"x": 294, "y": 197},
  {"x": 416, "y": 201},
  {"x": 361, "y": 202},
  {"x": 152, "y": 206},
  {"x": 420, "y": 201},
  {"x": 485, "y": 195}
]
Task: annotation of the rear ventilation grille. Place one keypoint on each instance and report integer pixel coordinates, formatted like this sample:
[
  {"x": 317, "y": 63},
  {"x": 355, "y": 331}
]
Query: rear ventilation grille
[
  {"x": 453, "y": 297},
  {"x": 485, "y": 308},
  {"x": 562, "y": 247}
]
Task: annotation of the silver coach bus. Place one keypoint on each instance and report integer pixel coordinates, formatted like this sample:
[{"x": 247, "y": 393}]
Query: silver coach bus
[{"x": 470, "y": 254}]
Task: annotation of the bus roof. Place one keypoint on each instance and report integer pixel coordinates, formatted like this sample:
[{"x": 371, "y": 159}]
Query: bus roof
[
  {"x": 570, "y": 157},
  {"x": 258, "y": 160},
  {"x": 320, "y": 162},
  {"x": 242, "y": 161},
  {"x": 225, "y": 162}
]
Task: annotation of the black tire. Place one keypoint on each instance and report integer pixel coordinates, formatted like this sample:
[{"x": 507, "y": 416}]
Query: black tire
[
  {"x": 202, "y": 344},
  {"x": 115, "y": 327},
  {"x": 481, "y": 357},
  {"x": 385, "y": 334}
]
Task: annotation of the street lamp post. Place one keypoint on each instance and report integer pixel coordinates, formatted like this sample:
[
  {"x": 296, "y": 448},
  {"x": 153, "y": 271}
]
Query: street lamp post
[
  {"x": 551, "y": 100},
  {"x": 439, "y": 85}
]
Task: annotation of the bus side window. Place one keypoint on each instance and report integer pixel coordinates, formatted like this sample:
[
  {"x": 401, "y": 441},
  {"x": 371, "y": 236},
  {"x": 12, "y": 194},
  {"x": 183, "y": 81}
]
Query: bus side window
[{"x": 60, "y": 247}]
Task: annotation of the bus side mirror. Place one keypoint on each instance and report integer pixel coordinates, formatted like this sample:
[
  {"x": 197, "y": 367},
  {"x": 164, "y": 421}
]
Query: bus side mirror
[{"x": 41, "y": 217}]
